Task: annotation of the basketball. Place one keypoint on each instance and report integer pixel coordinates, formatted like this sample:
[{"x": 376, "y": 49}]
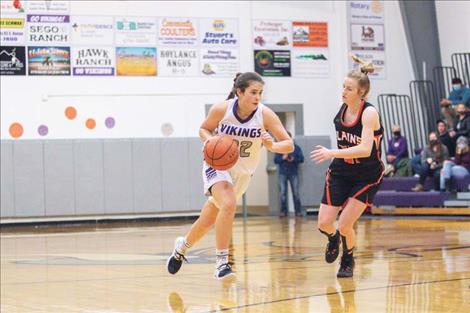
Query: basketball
[{"x": 221, "y": 152}]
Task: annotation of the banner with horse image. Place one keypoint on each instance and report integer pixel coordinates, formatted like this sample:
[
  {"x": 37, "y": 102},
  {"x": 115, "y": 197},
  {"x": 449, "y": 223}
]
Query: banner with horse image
[{"x": 49, "y": 61}]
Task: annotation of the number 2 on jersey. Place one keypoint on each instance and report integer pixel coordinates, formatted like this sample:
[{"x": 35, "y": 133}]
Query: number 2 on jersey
[{"x": 244, "y": 146}]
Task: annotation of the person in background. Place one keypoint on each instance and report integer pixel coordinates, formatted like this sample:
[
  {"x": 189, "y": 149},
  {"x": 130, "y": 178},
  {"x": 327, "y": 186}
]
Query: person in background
[
  {"x": 459, "y": 168},
  {"x": 397, "y": 153},
  {"x": 432, "y": 159},
  {"x": 445, "y": 138},
  {"x": 459, "y": 94},
  {"x": 461, "y": 122},
  {"x": 288, "y": 172}
]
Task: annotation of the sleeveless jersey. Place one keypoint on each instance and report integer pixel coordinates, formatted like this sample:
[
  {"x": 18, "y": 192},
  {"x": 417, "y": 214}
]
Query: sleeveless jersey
[
  {"x": 349, "y": 135},
  {"x": 248, "y": 133}
]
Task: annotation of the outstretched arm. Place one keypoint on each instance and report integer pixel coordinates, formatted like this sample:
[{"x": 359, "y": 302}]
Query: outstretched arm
[{"x": 370, "y": 122}]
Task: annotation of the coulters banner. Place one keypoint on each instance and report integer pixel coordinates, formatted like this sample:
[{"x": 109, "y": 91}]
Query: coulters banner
[
  {"x": 92, "y": 30},
  {"x": 377, "y": 58},
  {"x": 12, "y": 60},
  {"x": 178, "y": 31},
  {"x": 310, "y": 63},
  {"x": 310, "y": 34},
  {"x": 178, "y": 62},
  {"x": 93, "y": 61},
  {"x": 48, "y": 6},
  {"x": 12, "y": 30},
  {"x": 48, "y": 60},
  {"x": 272, "y": 34},
  {"x": 219, "y": 62},
  {"x": 48, "y": 29},
  {"x": 272, "y": 63},
  {"x": 367, "y": 37},
  {"x": 139, "y": 31},
  {"x": 136, "y": 61},
  {"x": 219, "y": 32},
  {"x": 366, "y": 12}
]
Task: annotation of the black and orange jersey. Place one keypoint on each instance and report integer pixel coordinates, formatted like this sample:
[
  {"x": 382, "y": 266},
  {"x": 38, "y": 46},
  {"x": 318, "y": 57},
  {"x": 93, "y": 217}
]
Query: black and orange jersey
[{"x": 349, "y": 135}]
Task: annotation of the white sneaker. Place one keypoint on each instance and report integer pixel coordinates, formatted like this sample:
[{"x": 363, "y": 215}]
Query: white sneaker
[{"x": 224, "y": 272}]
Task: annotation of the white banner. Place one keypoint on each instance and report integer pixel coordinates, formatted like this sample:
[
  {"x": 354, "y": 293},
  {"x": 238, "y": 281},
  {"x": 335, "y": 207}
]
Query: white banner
[
  {"x": 93, "y": 61},
  {"x": 377, "y": 58},
  {"x": 48, "y": 6},
  {"x": 367, "y": 37},
  {"x": 219, "y": 32},
  {"x": 48, "y": 29},
  {"x": 136, "y": 31},
  {"x": 272, "y": 35},
  {"x": 366, "y": 12},
  {"x": 220, "y": 62},
  {"x": 92, "y": 30},
  {"x": 177, "y": 31},
  {"x": 310, "y": 63},
  {"x": 178, "y": 62}
]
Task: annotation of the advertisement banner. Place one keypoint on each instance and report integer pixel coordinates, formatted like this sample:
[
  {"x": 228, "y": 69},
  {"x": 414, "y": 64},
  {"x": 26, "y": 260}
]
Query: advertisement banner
[
  {"x": 367, "y": 37},
  {"x": 219, "y": 32},
  {"x": 140, "y": 31},
  {"x": 220, "y": 62},
  {"x": 136, "y": 61},
  {"x": 12, "y": 30},
  {"x": 272, "y": 63},
  {"x": 93, "y": 61},
  {"x": 49, "y": 61},
  {"x": 377, "y": 58},
  {"x": 366, "y": 12},
  {"x": 272, "y": 34},
  {"x": 310, "y": 34},
  {"x": 48, "y": 6},
  {"x": 178, "y": 31},
  {"x": 310, "y": 63},
  {"x": 178, "y": 62},
  {"x": 11, "y": 7},
  {"x": 12, "y": 60},
  {"x": 48, "y": 29},
  {"x": 92, "y": 30}
]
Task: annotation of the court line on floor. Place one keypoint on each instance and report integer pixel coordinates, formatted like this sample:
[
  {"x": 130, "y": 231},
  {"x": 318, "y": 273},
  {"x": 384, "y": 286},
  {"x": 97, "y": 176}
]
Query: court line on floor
[{"x": 338, "y": 292}]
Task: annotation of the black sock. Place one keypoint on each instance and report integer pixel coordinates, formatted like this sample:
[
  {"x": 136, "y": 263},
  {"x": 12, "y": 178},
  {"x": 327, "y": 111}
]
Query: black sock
[
  {"x": 331, "y": 237},
  {"x": 346, "y": 251}
]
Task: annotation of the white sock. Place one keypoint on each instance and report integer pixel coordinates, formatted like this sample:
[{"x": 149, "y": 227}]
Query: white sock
[
  {"x": 221, "y": 257},
  {"x": 182, "y": 246}
]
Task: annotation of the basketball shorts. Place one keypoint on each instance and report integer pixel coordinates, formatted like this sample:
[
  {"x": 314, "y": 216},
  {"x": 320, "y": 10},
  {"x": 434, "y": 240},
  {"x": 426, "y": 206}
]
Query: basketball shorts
[
  {"x": 339, "y": 188},
  {"x": 238, "y": 179}
]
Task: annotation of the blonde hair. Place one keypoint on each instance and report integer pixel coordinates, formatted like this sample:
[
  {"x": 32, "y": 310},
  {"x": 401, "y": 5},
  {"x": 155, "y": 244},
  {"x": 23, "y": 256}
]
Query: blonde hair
[{"x": 361, "y": 76}]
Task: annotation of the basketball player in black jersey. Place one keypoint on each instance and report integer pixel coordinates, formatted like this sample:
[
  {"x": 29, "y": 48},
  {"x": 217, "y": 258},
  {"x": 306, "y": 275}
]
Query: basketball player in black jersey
[{"x": 356, "y": 171}]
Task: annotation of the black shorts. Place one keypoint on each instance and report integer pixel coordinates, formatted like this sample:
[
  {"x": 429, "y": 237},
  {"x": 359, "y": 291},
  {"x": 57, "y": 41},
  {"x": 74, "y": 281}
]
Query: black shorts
[{"x": 339, "y": 188}]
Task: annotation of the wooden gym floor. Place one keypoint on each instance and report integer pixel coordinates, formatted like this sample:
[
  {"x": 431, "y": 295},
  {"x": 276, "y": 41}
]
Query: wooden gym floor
[{"x": 413, "y": 264}]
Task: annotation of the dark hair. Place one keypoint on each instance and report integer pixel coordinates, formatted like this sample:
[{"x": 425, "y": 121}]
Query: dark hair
[
  {"x": 242, "y": 81},
  {"x": 456, "y": 80},
  {"x": 441, "y": 121}
]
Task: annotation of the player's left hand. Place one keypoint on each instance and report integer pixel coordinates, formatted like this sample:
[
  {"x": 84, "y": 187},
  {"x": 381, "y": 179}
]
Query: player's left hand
[
  {"x": 267, "y": 140},
  {"x": 321, "y": 154}
]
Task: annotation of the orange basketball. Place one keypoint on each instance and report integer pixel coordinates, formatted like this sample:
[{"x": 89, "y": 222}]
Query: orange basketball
[{"x": 221, "y": 152}]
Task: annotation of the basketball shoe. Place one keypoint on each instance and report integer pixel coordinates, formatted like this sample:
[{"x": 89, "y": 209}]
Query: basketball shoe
[
  {"x": 347, "y": 266},
  {"x": 332, "y": 248},
  {"x": 224, "y": 272},
  {"x": 176, "y": 259}
]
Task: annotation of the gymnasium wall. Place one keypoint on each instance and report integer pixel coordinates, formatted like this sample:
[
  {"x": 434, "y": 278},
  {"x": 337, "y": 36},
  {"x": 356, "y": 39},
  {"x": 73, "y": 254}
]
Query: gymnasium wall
[
  {"x": 140, "y": 106},
  {"x": 454, "y": 28}
]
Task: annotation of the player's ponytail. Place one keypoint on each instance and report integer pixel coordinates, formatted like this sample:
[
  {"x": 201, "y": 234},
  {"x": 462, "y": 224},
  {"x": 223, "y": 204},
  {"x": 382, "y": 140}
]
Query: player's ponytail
[
  {"x": 242, "y": 81},
  {"x": 361, "y": 76},
  {"x": 233, "y": 92}
]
